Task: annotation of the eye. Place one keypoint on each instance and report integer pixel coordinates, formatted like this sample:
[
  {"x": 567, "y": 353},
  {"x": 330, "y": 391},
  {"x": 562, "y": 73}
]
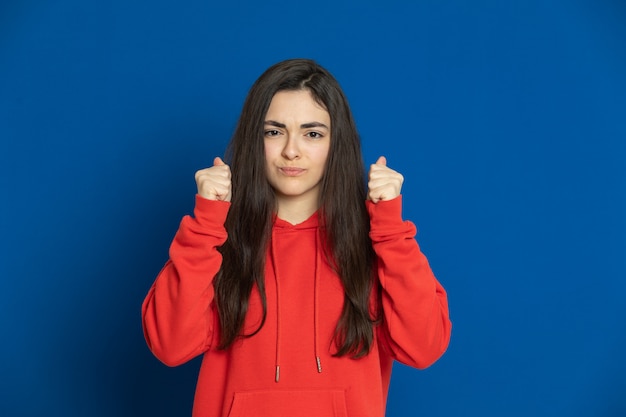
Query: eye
[
  {"x": 315, "y": 135},
  {"x": 272, "y": 132}
]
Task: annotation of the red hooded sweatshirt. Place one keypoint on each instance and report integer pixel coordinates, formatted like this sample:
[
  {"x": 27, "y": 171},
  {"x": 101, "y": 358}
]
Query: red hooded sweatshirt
[{"x": 288, "y": 367}]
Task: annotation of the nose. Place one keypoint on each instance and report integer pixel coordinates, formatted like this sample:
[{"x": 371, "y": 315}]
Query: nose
[{"x": 291, "y": 150}]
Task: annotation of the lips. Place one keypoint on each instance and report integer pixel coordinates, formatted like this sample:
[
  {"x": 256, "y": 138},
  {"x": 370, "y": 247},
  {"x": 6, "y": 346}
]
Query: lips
[{"x": 291, "y": 171}]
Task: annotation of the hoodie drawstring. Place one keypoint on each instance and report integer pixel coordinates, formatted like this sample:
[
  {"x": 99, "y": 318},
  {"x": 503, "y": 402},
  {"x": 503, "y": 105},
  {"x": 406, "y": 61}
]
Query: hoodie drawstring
[
  {"x": 318, "y": 361},
  {"x": 277, "y": 360}
]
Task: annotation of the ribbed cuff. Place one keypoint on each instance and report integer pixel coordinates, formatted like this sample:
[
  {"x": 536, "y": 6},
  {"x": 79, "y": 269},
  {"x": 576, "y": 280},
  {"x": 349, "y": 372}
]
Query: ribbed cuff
[
  {"x": 210, "y": 213},
  {"x": 386, "y": 219}
]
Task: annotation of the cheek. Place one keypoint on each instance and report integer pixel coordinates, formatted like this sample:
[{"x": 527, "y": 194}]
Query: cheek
[
  {"x": 272, "y": 149},
  {"x": 321, "y": 155},
  {"x": 268, "y": 153}
]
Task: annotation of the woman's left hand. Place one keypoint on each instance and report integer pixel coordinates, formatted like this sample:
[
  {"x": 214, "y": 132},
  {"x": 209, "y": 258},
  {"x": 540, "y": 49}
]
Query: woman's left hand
[{"x": 384, "y": 183}]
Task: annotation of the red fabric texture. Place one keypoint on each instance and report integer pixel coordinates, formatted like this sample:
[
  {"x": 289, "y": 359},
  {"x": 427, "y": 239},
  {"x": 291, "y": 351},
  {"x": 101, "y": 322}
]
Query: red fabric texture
[{"x": 304, "y": 302}]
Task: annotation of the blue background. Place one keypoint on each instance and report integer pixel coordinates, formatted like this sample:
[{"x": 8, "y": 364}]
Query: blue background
[{"x": 507, "y": 119}]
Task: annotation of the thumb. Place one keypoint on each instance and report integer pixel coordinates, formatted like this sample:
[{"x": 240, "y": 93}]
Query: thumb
[
  {"x": 218, "y": 161},
  {"x": 381, "y": 161}
]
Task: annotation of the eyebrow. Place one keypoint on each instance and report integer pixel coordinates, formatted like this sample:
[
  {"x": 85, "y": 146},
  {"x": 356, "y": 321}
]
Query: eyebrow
[{"x": 302, "y": 126}]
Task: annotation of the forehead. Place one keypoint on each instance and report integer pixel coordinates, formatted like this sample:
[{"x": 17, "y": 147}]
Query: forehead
[{"x": 297, "y": 105}]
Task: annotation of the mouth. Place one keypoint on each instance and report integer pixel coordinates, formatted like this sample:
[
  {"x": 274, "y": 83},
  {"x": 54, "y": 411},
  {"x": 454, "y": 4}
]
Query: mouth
[{"x": 291, "y": 171}]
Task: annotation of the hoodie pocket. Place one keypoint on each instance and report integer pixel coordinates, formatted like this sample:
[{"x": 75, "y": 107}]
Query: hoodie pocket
[{"x": 300, "y": 403}]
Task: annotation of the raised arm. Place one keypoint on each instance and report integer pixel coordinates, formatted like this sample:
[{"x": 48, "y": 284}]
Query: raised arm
[
  {"x": 178, "y": 319},
  {"x": 416, "y": 325}
]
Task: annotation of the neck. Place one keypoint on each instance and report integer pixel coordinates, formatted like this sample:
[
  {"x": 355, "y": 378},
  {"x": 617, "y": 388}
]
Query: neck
[{"x": 296, "y": 211}]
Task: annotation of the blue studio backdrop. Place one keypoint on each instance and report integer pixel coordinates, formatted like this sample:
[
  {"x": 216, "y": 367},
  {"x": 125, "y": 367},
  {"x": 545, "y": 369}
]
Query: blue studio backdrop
[{"x": 507, "y": 119}]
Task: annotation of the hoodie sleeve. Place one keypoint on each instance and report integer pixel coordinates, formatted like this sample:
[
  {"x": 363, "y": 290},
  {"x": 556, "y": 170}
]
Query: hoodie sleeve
[
  {"x": 416, "y": 326},
  {"x": 177, "y": 315}
]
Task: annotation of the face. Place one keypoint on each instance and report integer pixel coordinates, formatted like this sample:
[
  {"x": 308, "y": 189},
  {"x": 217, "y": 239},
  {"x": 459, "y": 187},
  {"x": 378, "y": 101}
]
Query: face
[{"x": 297, "y": 139}]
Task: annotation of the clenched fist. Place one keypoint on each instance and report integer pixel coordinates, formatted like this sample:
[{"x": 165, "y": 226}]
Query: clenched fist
[
  {"x": 384, "y": 183},
  {"x": 214, "y": 183}
]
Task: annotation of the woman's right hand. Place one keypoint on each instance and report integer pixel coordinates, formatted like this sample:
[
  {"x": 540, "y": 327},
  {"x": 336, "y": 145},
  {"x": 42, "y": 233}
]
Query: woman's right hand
[{"x": 214, "y": 183}]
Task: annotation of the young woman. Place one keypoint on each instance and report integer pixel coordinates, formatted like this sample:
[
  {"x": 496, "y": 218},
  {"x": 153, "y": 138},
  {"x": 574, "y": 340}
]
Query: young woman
[{"x": 299, "y": 283}]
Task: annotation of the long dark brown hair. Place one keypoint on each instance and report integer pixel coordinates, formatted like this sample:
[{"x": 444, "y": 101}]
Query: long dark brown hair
[{"x": 343, "y": 215}]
